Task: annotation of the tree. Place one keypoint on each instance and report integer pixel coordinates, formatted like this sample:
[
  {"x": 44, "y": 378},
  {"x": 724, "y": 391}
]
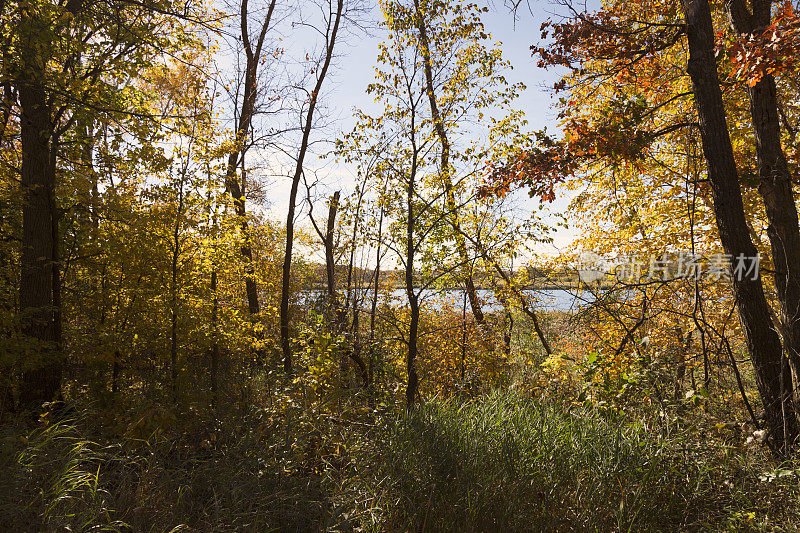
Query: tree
[
  {"x": 464, "y": 80},
  {"x": 615, "y": 46},
  {"x": 755, "y": 23},
  {"x": 180, "y": 208},
  {"x": 71, "y": 59},
  {"x": 333, "y": 20},
  {"x": 432, "y": 10},
  {"x": 246, "y": 111},
  {"x": 437, "y": 76}
]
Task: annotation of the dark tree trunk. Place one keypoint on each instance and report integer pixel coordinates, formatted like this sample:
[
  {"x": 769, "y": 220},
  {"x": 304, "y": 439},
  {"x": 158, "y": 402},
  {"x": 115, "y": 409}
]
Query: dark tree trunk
[
  {"x": 41, "y": 379},
  {"x": 7, "y": 306},
  {"x": 352, "y": 300},
  {"x": 173, "y": 288},
  {"x": 115, "y": 369},
  {"x": 250, "y": 284},
  {"x": 772, "y": 374},
  {"x": 775, "y": 183},
  {"x": 335, "y": 314},
  {"x": 214, "y": 339},
  {"x": 246, "y": 113},
  {"x": 333, "y": 307},
  {"x": 373, "y": 352},
  {"x": 298, "y": 172},
  {"x": 412, "y": 386},
  {"x": 508, "y": 330}
]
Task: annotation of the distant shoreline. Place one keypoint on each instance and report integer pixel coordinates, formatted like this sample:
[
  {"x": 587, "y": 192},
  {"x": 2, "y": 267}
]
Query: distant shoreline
[{"x": 534, "y": 287}]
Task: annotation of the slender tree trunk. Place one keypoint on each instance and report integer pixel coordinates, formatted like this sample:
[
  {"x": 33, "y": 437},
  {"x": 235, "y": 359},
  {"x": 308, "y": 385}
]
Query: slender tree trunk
[
  {"x": 176, "y": 251},
  {"x": 115, "y": 369},
  {"x": 340, "y": 311},
  {"x": 413, "y": 302},
  {"x": 450, "y": 198},
  {"x": 298, "y": 172},
  {"x": 214, "y": 351},
  {"x": 373, "y": 352},
  {"x": 412, "y": 386},
  {"x": 463, "y": 340},
  {"x": 509, "y": 328},
  {"x": 334, "y": 309},
  {"x": 772, "y": 374},
  {"x": 335, "y": 313},
  {"x": 56, "y": 255},
  {"x": 6, "y": 306},
  {"x": 214, "y": 339},
  {"x": 251, "y": 286},
  {"x": 351, "y": 298},
  {"x": 246, "y": 113},
  {"x": 96, "y": 268}
]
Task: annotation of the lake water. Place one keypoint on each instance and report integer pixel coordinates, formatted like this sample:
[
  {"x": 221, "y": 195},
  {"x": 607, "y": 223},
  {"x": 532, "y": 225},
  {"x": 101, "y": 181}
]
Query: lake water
[
  {"x": 544, "y": 300},
  {"x": 566, "y": 300}
]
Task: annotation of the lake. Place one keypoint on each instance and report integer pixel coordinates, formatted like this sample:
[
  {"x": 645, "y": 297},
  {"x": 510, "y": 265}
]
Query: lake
[{"x": 565, "y": 300}]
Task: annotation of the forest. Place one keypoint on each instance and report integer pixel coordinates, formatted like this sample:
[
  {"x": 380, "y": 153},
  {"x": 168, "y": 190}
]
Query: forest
[{"x": 340, "y": 265}]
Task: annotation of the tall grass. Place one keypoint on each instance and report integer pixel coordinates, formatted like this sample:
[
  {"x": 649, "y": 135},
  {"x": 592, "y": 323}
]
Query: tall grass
[
  {"x": 508, "y": 463},
  {"x": 502, "y": 462},
  {"x": 55, "y": 478}
]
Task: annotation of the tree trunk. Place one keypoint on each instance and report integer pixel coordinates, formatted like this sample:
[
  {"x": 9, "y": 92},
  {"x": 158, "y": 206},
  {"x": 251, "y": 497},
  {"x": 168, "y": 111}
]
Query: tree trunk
[
  {"x": 373, "y": 352},
  {"x": 508, "y": 330},
  {"x": 298, "y": 172},
  {"x": 783, "y": 231},
  {"x": 173, "y": 289},
  {"x": 775, "y": 185},
  {"x": 334, "y": 311},
  {"x": 251, "y": 286},
  {"x": 115, "y": 368},
  {"x": 773, "y": 376},
  {"x": 246, "y": 113},
  {"x": 214, "y": 339},
  {"x": 413, "y": 329},
  {"x": 41, "y": 379},
  {"x": 333, "y": 307},
  {"x": 213, "y": 351},
  {"x": 452, "y": 207},
  {"x": 412, "y": 385}
]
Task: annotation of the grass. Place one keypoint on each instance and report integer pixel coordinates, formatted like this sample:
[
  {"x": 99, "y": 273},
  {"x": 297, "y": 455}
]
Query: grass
[
  {"x": 507, "y": 463},
  {"x": 503, "y": 462}
]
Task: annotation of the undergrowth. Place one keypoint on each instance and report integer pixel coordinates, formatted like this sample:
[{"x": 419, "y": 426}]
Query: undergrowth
[{"x": 502, "y": 462}]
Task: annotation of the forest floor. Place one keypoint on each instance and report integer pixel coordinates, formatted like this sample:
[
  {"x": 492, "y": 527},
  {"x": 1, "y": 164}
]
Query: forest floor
[{"x": 501, "y": 462}]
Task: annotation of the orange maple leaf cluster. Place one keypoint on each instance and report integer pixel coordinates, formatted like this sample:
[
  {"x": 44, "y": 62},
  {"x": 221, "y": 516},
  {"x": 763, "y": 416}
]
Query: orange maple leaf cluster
[{"x": 768, "y": 52}]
